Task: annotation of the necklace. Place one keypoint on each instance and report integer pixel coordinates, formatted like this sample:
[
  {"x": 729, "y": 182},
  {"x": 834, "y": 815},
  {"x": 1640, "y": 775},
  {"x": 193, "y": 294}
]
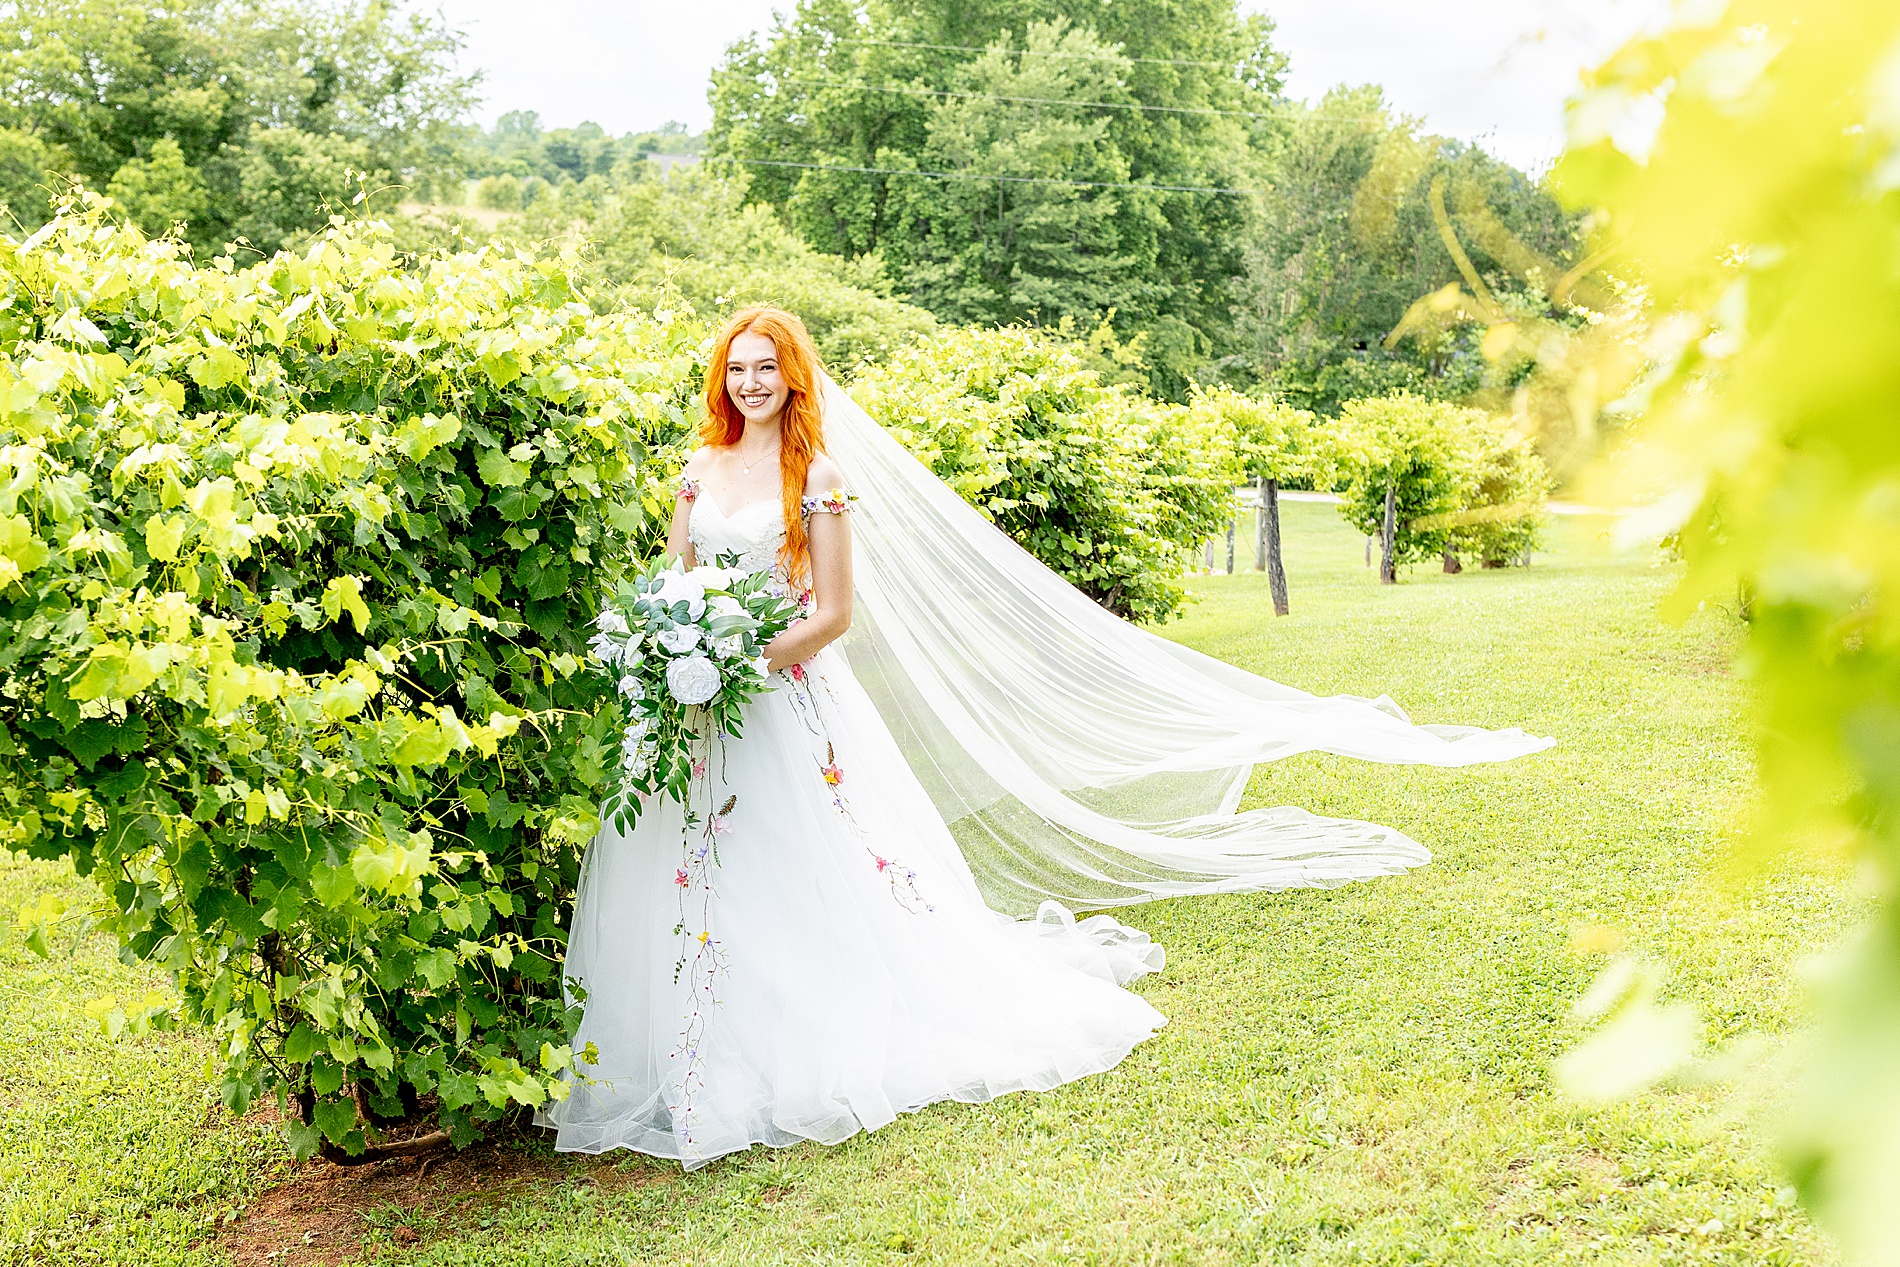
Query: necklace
[{"x": 755, "y": 461}]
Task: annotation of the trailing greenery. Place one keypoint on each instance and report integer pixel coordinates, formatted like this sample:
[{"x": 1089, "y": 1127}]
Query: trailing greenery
[
  {"x": 242, "y": 121},
  {"x": 1105, "y": 487},
  {"x": 1347, "y": 1076},
  {"x": 297, "y": 563},
  {"x": 1759, "y": 218}
]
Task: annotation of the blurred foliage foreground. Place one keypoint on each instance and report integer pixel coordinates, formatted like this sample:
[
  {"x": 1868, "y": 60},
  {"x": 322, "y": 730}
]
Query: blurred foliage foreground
[{"x": 1757, "y": 211}]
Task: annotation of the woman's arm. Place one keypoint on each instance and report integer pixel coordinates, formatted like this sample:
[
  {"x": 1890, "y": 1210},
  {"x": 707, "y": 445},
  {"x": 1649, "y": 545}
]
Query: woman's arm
[
  {"x": 830, "y": 537},
  {"x": 678, "y": 544}
]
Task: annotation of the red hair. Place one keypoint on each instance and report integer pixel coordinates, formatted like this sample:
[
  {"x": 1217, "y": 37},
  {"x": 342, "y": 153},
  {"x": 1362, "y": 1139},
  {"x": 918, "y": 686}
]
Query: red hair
[{"x": 801, "y": 423}]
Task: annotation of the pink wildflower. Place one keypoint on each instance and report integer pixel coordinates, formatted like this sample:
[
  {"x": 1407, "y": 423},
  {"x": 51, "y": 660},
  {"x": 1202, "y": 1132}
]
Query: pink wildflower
[
  {"x": 699, "y": 767},
  {"x": 679, "y": 878},
  {"x": 882, "y": 863},
  {"x": 833, "y": 775}
]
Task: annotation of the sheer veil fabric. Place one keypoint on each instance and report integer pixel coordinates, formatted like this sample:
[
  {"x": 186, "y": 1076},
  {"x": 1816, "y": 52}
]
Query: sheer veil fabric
[
  {"x": 986, "y": 745},
  {"x": 1074, "y": 756}
]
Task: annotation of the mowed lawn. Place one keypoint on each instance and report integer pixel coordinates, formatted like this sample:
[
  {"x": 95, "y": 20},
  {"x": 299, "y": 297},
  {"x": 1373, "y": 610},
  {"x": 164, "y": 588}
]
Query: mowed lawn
[{"x": 1355, "y": 1075}]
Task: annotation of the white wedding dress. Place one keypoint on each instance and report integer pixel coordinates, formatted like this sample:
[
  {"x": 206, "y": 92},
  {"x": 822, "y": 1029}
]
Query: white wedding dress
[
  {"x": 872, "y": 913},
  {"x": 850, "y": 969}
]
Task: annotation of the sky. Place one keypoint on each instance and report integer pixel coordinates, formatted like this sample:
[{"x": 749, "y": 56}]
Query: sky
[{"x": 1492, "y": 71}]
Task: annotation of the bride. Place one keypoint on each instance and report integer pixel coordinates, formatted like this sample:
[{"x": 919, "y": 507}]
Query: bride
[{"x": 995, "y": 745}]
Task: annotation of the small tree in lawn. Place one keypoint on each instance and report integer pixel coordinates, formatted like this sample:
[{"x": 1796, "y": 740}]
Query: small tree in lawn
[
  {"x": 1407, "y": 466},
  {"x": 1274, "y": 442},
  {"x": 1503, "y": 518}
]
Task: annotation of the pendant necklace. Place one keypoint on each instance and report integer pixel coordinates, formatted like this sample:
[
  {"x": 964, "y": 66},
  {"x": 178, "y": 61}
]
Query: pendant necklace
[{"x": 754, "y": 462}]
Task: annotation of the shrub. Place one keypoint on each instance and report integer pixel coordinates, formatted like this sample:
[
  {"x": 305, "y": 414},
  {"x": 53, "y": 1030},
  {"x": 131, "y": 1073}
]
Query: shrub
[
  {"x": 1503, "y": 515},
  {"x": 499, "y": 193},
  {"x": 1460, "y": 479},
  {"x": 1106, "y": 488},
  {"x": 297, "y": 561},
  {"x": 1272, "y": 439},
  {"x": 1422, "y": 450}
]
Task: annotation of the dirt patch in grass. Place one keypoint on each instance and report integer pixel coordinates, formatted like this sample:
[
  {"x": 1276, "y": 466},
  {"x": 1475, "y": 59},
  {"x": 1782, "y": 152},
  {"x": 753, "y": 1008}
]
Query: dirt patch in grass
[{"x": 321, "y": 1215}]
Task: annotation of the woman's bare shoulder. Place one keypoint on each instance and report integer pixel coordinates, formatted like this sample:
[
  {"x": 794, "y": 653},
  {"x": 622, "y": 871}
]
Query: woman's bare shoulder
[
  {"x": 824, "y": 475},
  {"x": 700, "y": 459}
]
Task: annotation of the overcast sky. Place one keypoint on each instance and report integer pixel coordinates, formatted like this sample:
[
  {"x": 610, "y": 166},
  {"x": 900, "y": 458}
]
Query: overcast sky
[{"x": 1495, "y": 71}]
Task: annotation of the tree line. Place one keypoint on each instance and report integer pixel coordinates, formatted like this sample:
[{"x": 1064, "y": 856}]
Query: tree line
[{"x": 1134, "y": 169}]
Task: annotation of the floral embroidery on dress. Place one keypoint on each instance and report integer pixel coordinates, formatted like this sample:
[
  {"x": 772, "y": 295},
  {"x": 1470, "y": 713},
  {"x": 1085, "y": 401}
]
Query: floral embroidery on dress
[
  {"x": 902, "y": 879},
  {"x": 702, "y": 961},
  {"x": 833, "y": 501},
  {"x": 688, "y": 489}
]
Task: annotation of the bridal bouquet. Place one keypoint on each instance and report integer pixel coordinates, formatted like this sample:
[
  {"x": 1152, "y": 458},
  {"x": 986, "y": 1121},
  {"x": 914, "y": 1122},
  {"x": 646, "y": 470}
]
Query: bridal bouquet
[{"x": 686, "y": 648}]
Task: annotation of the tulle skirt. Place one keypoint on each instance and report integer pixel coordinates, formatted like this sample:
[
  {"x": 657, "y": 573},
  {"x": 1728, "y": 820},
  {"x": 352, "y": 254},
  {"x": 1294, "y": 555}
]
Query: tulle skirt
[{"x": 806, "y": 955}]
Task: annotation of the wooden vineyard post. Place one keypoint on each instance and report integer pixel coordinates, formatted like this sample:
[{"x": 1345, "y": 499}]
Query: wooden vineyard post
[
  {"x": 1388, "y": 560},
  {"x": 1270, "y": 541},
  {"x": 1260, "y": 529}
]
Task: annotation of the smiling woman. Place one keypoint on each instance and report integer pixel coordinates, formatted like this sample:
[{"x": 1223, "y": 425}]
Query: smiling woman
[{"x": 799, "y": 951}]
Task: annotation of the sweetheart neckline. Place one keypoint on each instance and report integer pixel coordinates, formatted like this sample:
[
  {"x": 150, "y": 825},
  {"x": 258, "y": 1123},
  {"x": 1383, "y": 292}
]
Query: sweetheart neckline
[{"x": 729, "y": 516}]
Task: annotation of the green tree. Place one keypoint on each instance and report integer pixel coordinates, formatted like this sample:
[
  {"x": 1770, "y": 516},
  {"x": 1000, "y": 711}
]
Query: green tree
[
  {"x": 692, "y": 234},
  {"x": 841, "y": 84},
  {"x": 1405, "y": 465},
  {"x": 28, "y": 172},
  {"x": 980, "y": 251},
  {"x": 160, "y": 191},
  {"x": 1351, "y": 237},
  {"x": 244, "y": 120},
  {"x": 1274, "y": 444},
  {"x": 1503, "y": 515}
]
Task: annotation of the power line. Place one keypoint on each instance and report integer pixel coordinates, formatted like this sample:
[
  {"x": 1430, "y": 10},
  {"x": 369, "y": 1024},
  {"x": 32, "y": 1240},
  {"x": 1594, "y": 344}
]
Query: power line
[
  {"x": 1017, "y": 180},
  {"x": 1031, "y": 101},
  {"x": 1291, "y": 111},
  {"x": 1030, "y": 52}
]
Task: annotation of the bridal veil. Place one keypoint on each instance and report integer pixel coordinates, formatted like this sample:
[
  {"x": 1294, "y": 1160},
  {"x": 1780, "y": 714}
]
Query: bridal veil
[{"x": 1075, "y": 756}]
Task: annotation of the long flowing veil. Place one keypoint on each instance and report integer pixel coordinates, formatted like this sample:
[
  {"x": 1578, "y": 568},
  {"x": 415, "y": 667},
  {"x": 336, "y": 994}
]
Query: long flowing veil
[{"x": 1075, "y": 756}]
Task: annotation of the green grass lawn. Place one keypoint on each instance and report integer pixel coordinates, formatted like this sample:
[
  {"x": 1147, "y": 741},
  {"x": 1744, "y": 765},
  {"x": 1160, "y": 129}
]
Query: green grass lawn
[{"x": 1356, "y": 1075}]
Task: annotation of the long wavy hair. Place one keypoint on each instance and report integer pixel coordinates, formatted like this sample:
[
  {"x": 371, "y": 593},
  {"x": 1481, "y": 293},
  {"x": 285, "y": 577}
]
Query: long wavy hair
[{"x": 801, "y": 422}]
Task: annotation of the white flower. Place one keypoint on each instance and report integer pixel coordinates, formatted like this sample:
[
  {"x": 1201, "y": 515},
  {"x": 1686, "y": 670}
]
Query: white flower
[
  {"x": 680, "y": 639},
  {"x": 726, "y": 605},
  {"x": 610, "y": 621},
  {"x": 714, "y": 578},
  {"x": 603, "y": 648},
  {"x": 726, "y": 648},
  {"x": 631, "y": 688},
  {"x": 761, "y": 667},
  {"x": 677, "y": 587},
  {"x": 692, "y": 679}
]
